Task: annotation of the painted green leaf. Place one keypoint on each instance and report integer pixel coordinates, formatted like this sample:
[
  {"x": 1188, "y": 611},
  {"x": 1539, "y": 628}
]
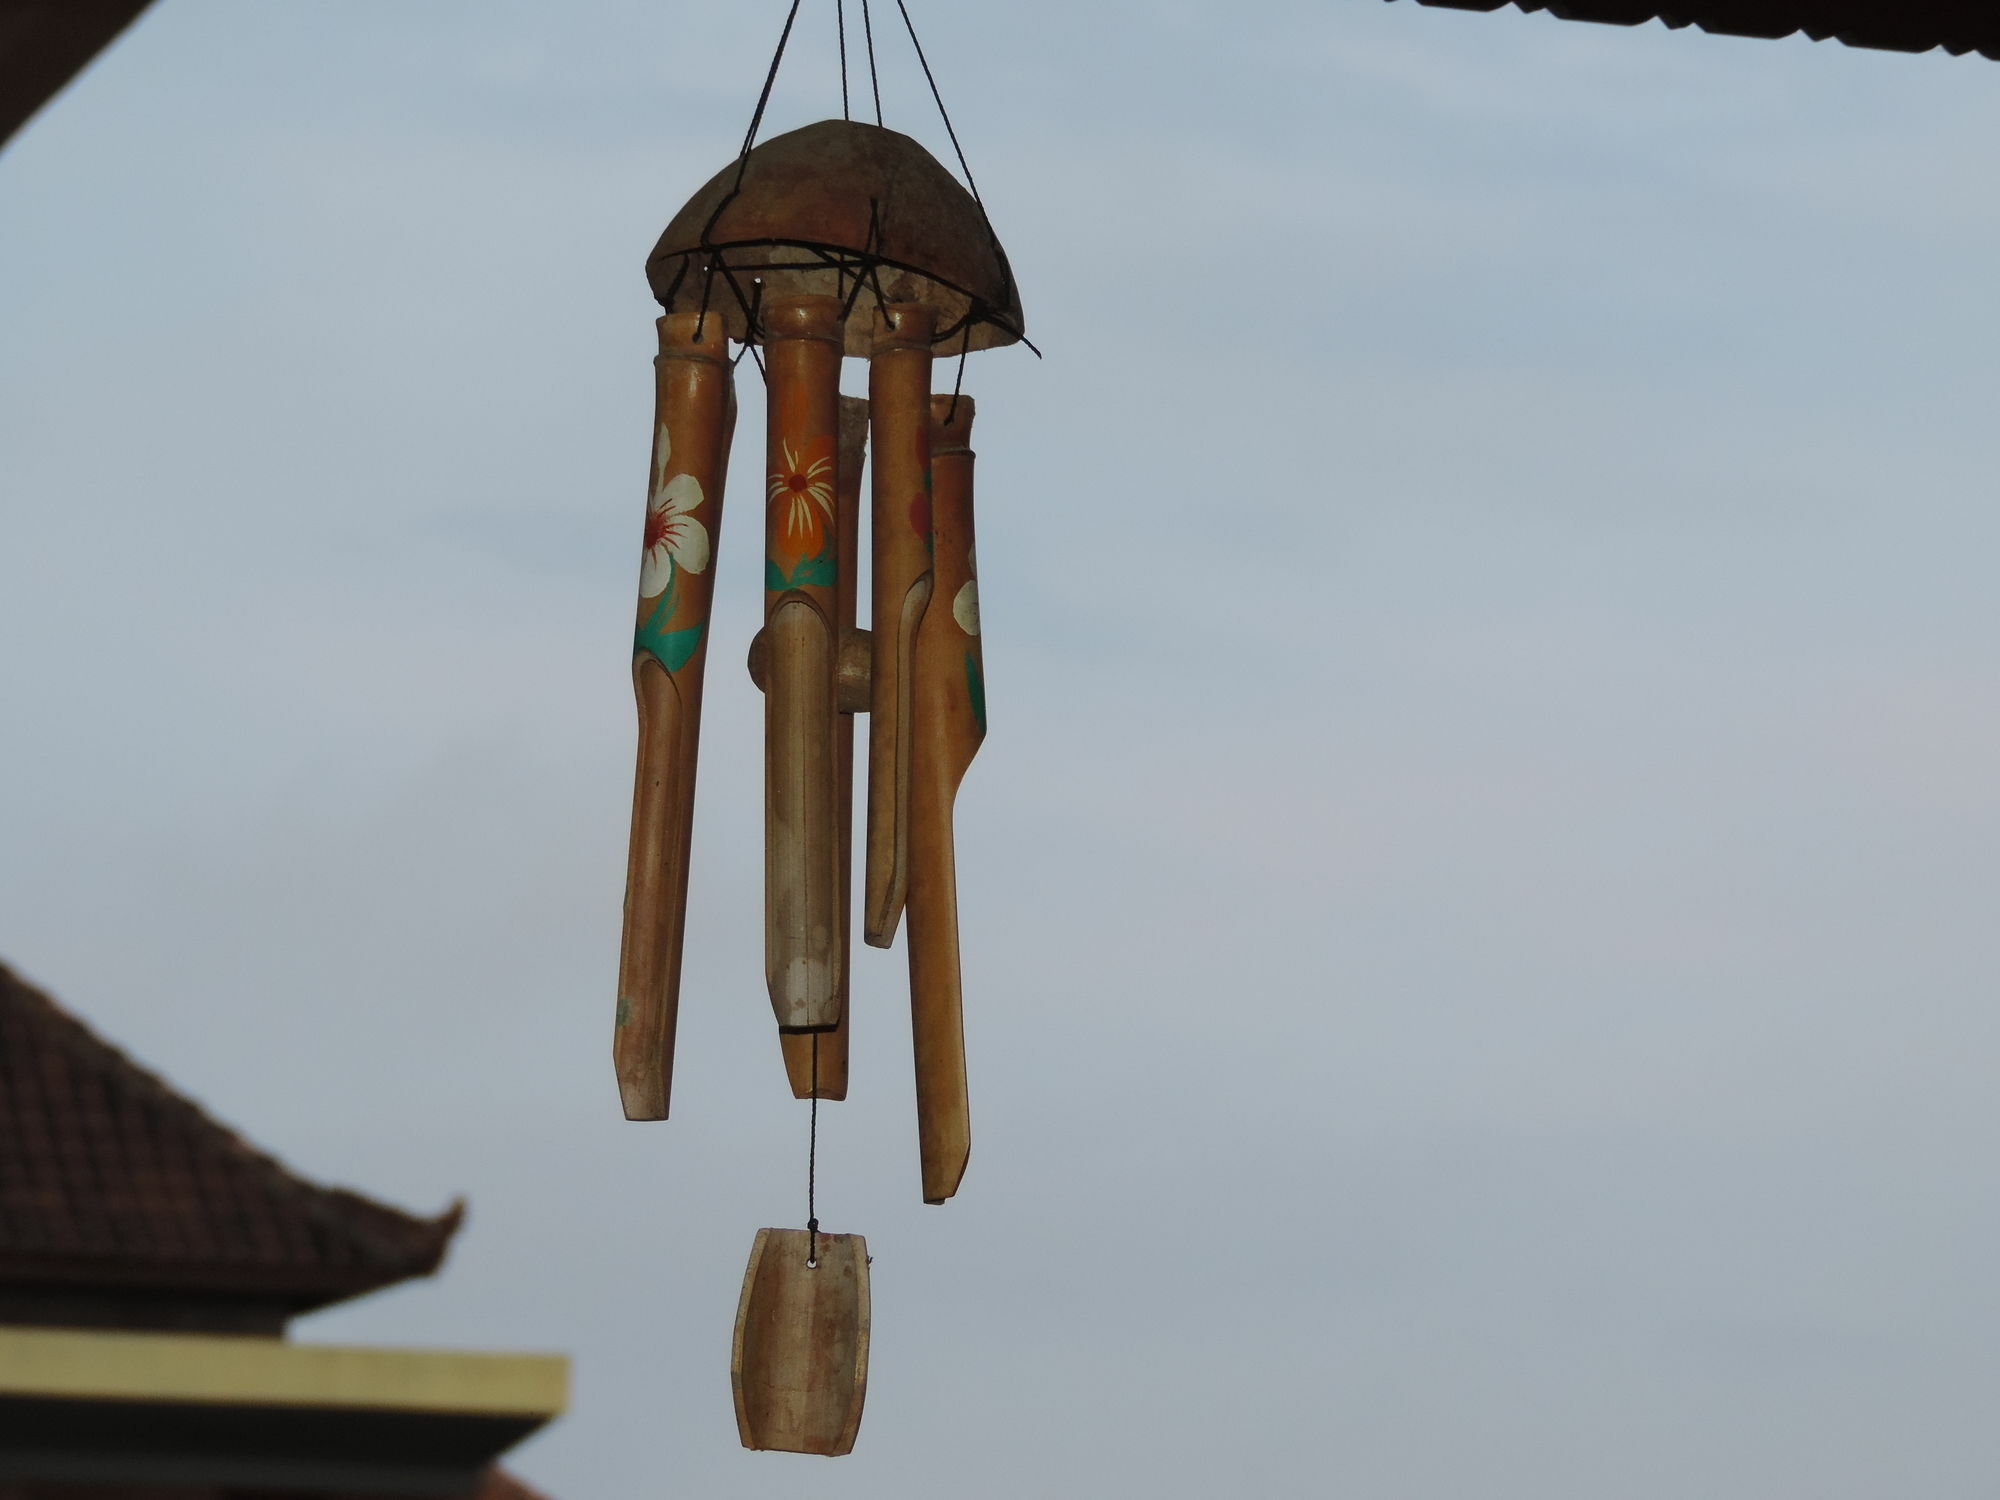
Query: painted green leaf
[
  {"x": 975, "y": 687},
  {"x": 670, "y": 648},
  {"x": 818, "y": 571}
]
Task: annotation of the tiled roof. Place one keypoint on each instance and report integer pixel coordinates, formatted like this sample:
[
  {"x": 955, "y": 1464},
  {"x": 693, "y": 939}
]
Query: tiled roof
[
  {"x": 109, "y": 1180},
  {"x": 1958, "y": 26}
]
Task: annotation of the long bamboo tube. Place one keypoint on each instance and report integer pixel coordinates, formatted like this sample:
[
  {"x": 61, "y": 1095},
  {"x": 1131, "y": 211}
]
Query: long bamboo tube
[
  {"x": 899, "y": 392},
  {"x": 826, "y": 1075},
  {"x": 694, "y": 415},
  {"x": 804, "y": 938},
  {"x": 948, "y": 705}
]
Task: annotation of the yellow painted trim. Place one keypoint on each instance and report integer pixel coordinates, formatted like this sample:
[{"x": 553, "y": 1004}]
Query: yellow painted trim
[{"x": 210, "y": 1368}]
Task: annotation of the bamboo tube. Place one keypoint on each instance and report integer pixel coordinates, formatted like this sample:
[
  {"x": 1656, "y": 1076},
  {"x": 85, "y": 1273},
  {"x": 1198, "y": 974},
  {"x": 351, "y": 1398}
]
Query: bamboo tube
[
  {"x": 899, "y": 389},
  {"x": 948, "y": 705},
  {"x": 694, "y": 414},
  {"x": 804, "y": 938},
  {"x": 830, "y": 1070}
]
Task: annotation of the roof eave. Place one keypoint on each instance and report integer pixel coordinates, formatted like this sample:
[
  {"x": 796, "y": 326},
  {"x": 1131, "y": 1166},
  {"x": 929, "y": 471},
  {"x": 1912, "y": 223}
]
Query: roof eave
[
  {"x": 1955, "y": 26},
  {"x": 46, "y": 43}
]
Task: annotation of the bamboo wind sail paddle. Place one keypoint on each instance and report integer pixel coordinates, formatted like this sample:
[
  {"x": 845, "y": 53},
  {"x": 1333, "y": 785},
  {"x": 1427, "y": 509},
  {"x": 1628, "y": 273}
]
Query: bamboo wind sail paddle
[
  {"x": 694, "y": 415},
  {"x": 799, "y": 1363},
  {"x": 948, "y": 706}
]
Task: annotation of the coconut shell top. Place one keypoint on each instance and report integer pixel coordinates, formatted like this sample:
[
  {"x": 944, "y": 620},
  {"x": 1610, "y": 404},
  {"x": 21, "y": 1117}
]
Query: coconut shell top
[{"x": 815, "y": 209}]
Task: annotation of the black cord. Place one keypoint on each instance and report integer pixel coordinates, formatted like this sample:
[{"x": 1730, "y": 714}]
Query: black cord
[
  {"x": 959, "y": 151},
  {"x": 865, "y": 273},
  {"x": 840, "y": 14},
  {"x": 958, "y": 382},
  {"x": 701, "y": 316},
  {"x": 812, "y": 1166},
  {"x": 750, "y": 135},
  {"x": 943, "y": 114},
  {"x": 874, "y": 81}
]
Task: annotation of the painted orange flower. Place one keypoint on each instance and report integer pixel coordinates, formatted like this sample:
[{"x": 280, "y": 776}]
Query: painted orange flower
[{"x": 804, "y": 486}]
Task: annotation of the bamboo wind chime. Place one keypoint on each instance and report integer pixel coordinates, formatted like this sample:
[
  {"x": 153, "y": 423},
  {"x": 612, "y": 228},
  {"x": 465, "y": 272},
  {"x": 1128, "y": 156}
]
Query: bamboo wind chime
[{"x": 840, "y": 239}]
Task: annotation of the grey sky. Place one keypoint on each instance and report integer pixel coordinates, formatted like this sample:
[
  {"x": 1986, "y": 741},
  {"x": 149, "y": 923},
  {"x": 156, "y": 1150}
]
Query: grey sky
[{"x": 1478, "y": 901}]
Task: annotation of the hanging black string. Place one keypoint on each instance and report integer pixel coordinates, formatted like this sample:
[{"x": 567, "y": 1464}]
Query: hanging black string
[
  {"x": 943, "y": 114},
  {"x": 750, "y": 310},
  {"x": 756, "y": 119},
  {"x": 937, "y": 97},
  {"x": 840, "y": 14},
  {"x": 958, "y": 381},
  {"x": 701, "y": 315},
  {"x": 812, "y": 1166},
  {"x": 874, "y": 82}
]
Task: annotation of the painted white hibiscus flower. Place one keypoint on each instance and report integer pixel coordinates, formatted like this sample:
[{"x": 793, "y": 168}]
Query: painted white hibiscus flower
[{"x": 674, "y": 538}]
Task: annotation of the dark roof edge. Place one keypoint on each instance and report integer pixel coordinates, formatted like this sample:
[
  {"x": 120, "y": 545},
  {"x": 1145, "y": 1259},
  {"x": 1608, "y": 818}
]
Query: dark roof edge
[
  {"x": 252, "y": 1283},
  {"x": 48, "y": 45},
  {"x": 1957, "y": 26}
]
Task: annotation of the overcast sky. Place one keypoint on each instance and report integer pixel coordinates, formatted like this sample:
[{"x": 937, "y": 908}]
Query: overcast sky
[{"x": 1478, "y": 902}]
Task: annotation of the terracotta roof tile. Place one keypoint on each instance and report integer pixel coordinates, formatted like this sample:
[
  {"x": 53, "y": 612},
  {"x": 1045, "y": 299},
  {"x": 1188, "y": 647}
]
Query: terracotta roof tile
[{"x": 108, "y": 1178}]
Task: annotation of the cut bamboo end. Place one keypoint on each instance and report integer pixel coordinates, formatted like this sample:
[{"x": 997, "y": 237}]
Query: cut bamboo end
[
  {"x": 808, "y": 316},
  {"x": 643, "y": 1095},
  {"x": 904, "y": 328},
  {"x": 937, "y": 1014},
  {"x": 951, "y": 426},
  {"x": 944, "y": 1168},
  {"x": 832, "y": 1068},
  {"x": 694, "y": 335}
]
